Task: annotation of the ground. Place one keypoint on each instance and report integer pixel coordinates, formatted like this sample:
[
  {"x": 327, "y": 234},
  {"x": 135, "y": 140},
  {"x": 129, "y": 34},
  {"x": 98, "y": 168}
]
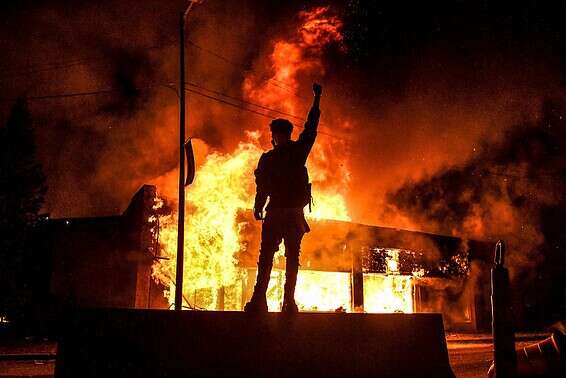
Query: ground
[
  {"x": 470, "y": 355},
  {"x": 27, "y": 357}
]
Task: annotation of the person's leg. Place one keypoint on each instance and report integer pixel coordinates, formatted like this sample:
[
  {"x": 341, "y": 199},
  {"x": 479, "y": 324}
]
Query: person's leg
[
  {"x": 292, "y": 251},
  {"x": 270, "y": 240}
]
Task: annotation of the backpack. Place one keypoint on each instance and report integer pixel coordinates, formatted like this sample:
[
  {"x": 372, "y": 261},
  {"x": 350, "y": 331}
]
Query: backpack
[
  {"x": 289, "y": 183},
  {"x": 304, "y": 189}
]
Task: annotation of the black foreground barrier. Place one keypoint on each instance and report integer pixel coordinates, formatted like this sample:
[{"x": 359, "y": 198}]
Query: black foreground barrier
[{"x": 156, "y": 343}]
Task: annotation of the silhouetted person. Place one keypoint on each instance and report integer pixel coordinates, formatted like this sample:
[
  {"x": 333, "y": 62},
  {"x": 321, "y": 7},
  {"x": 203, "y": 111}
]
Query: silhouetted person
[{"x": 282, "y": 176}]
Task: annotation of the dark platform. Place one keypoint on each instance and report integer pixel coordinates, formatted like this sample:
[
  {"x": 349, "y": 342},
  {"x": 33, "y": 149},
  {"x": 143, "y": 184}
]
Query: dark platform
[{"x": 153, "y": 343}]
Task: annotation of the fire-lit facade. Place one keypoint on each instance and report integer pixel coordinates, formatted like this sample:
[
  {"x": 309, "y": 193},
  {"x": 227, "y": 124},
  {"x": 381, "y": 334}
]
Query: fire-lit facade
[{"x": 345, "y": 267}]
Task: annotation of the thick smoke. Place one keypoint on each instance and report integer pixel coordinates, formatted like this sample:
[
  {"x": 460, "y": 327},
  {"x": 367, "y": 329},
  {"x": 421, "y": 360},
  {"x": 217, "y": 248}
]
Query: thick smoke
[
  {"x": 97, "y": 150},
  {"x": 421, "y": 94},
  {"x": 512, "y": 189}
]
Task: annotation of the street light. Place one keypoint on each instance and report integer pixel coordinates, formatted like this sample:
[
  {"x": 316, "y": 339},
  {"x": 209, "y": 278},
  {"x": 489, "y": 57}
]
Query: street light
[{"x": 181, "y": 212}]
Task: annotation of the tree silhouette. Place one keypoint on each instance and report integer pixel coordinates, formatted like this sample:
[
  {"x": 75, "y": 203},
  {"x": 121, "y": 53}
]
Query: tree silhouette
[{"x": 22, "y": 190}]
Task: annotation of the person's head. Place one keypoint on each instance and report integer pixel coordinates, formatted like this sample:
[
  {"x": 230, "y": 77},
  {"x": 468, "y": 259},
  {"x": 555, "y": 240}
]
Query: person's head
[{"x": 281, "y": 130}]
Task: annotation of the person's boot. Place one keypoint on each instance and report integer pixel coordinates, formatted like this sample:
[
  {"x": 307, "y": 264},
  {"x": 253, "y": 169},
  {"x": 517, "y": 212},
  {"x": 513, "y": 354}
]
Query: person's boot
[
  {"x": 258, "y": 302},
  {"x": 289, "y": 306},
  {"x": 256, "y": 305}
]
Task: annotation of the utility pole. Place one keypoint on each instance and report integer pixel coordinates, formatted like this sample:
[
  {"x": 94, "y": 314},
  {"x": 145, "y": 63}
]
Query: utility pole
[
  {"x": 181, "y": 212},
  {"x": 504, "y": 355}
]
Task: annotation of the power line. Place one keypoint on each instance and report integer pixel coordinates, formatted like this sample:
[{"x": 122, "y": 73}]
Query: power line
[
  {"x": 244, "y": 108},
  {"x": 239, "y": 106},
  {"x": 61, "y": 95},
  {"x": 241, "y": 65},
  {"x": 246, "y": 102},
  {"x": 277, "y": 83},
  {"x": 220, "y": 100},
  {"x": 272, "y": 81},
  {"x": 46, "y": 69},
  {"x": 11, "y": 74},
  {"x": 14, "y": 73},
  {"x": 228, "y": 103},
  {"x": 33, "y": 67}
]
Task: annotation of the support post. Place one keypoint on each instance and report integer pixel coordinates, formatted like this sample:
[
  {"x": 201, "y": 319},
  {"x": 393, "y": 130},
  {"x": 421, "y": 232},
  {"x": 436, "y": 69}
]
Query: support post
[
  {"x": 504, "y": 355},
  {"x": 181, "y": 212},
  {"x": 357, "y": 279}
]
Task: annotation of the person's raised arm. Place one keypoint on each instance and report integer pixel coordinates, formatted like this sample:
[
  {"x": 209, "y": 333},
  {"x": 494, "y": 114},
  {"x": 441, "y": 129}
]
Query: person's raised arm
[
  {"x": 317, "y": 90},
  {"x": 308, "y": 135}
]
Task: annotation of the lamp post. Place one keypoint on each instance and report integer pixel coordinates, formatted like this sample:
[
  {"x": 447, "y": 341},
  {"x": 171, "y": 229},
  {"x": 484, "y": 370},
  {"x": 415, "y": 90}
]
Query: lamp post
[{"x": 181, "y": 212}]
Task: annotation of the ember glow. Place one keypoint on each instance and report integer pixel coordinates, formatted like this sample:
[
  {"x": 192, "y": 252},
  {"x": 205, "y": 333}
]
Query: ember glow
[
  {"x": 224, "y": 186},
  {"x": 388, "y": 293}
]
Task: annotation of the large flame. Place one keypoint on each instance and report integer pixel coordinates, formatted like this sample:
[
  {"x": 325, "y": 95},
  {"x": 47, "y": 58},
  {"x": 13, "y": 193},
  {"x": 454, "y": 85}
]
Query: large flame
[
  {"x": 224, "y": 185},
  {"x": 299, "y": 55}
]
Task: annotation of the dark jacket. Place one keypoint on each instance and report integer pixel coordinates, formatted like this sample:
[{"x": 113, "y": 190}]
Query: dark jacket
[{"x": 281, "y": 173}]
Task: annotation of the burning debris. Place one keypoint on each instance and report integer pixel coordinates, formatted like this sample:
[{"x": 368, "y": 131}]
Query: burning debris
[{"x": 410, "y": 262}]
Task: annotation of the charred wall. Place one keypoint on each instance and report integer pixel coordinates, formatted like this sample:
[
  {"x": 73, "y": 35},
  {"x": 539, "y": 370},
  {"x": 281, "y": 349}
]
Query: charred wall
[{"x": 104, "y": 261}]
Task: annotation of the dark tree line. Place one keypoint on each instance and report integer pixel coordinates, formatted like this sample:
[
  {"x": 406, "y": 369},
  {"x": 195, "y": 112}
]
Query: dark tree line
[{"x": 22, "y": 191}]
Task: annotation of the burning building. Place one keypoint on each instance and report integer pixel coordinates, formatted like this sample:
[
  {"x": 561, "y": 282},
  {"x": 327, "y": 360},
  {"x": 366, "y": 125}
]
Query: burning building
[
  {"x": 348, "y": 267},
  {"x": 359, "y": 268},
  {"x": 129, "y": 260},
  {"x": 345, "y": 266},
  {"x": 121, "y": 261}
]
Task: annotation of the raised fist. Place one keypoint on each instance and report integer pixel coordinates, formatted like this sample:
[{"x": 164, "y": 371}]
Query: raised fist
[
  {"x": 258, "y": 214},
  {"x": 317, "y": 89}
]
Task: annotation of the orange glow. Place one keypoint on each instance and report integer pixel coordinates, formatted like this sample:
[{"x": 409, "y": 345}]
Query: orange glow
[
  {"x": 224, "y": 185},
  {"x": 315, "y": 291}
]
